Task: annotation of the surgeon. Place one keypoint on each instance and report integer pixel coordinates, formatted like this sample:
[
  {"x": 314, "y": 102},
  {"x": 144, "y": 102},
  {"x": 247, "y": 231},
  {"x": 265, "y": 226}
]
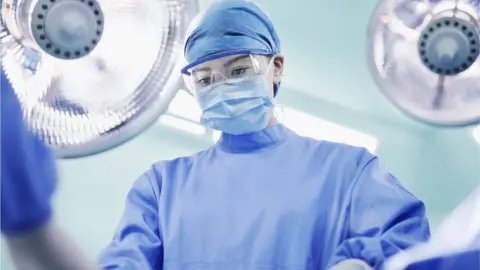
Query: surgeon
[{"x": 262, "y": 197}]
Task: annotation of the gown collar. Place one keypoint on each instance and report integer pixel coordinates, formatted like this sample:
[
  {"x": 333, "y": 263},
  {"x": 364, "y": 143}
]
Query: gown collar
[{"x": 268, "y": 137}]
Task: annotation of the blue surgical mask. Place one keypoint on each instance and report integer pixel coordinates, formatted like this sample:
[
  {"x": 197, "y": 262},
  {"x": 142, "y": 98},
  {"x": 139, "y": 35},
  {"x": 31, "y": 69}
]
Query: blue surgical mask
[{"x": 237, "y": 107}]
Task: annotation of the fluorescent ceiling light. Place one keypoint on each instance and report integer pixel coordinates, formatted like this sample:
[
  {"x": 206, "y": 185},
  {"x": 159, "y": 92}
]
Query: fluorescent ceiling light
[
  {"x": 184, "y": 125},
  {"x": 313, "y": 127},
  {"x": 186, "y": 106}
]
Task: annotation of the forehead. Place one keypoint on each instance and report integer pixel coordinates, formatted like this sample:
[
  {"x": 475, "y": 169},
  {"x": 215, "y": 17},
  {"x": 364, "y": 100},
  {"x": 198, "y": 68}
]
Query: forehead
[{"x": 223, "y": 62}]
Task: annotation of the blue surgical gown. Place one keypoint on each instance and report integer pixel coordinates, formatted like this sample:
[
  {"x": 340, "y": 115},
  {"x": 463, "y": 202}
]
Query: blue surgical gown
[{"x": 266, "y": 200}]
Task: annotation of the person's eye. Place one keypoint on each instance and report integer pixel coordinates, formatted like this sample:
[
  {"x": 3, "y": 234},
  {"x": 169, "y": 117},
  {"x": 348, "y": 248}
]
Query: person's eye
[
  {"x": 237, "y": 72},
  {"x": 204, "y": 81}
]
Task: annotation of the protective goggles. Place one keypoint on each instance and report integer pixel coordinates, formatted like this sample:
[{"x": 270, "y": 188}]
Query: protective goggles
[{"x": 226, "y": 69}]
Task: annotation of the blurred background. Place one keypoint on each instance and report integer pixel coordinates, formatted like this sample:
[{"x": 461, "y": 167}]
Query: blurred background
[{"x": 327, "y": 93}]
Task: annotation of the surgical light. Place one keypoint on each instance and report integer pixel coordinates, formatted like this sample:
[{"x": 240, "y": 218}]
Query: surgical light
[
  {"x": 424, "y": 55},
  {"x": 91, "y": 75}
]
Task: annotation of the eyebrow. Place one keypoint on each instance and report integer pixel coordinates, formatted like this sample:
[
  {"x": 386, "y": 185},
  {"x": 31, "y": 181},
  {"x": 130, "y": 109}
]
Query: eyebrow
[
  {"x": 233, "y": 60},
  {"x": 226, "y": 64}
]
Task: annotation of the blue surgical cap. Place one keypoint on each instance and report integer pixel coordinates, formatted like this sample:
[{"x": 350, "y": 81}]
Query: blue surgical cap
[{"x": 230, "y": 27}]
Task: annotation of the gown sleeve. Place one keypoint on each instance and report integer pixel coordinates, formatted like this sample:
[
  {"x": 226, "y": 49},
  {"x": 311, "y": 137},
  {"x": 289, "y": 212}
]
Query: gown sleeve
[
  {"x": 383, "y": 218},
  {"x": 136, "y": 243}
]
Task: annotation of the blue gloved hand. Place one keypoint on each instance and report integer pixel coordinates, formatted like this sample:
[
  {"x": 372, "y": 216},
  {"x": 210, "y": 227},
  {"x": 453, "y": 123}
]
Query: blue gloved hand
[{"x": 28, "y": 174}]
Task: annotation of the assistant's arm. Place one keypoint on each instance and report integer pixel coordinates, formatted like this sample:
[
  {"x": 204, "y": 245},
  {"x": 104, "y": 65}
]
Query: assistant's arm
[
  {"x": 136, "y": 243},
  {"x": 28, "y": 181},
  {"x": 47, "y": 248},
  {"x": 384, "y": 218}
]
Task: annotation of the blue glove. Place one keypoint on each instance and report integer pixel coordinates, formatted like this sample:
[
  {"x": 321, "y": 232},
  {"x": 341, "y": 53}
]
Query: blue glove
[{"x": 28, "y": 175}]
